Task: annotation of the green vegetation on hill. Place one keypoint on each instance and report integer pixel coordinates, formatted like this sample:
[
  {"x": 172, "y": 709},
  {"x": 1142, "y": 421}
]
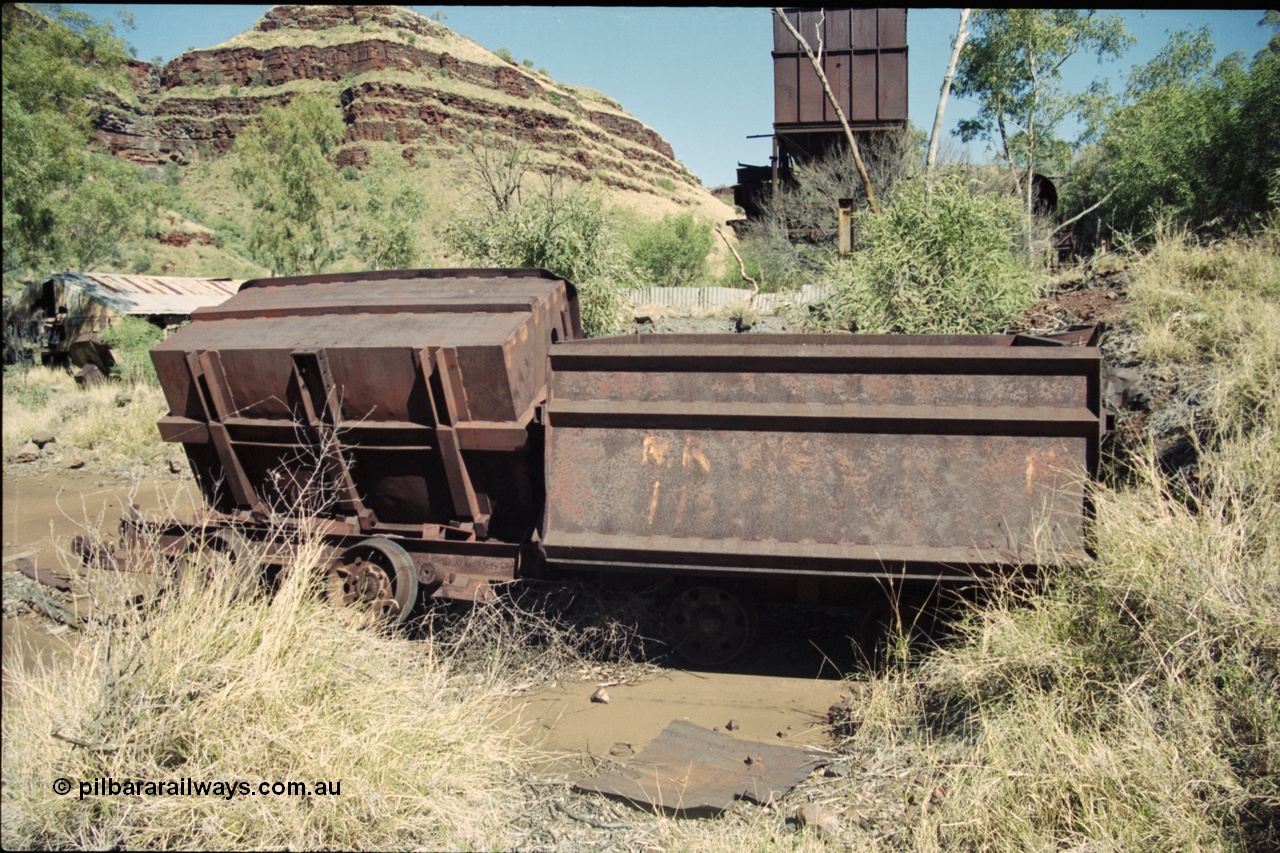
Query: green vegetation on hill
[
  {"x": 237, "y": 216},
  {"x": 63, "y": 206}
]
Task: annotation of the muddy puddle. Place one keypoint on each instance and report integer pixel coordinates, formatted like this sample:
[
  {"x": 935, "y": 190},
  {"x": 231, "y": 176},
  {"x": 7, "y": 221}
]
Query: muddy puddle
[
  {"x": 576, "y": 733},
  {"x": 778, "y": 694},
  {"x": 42, "y": 513}
]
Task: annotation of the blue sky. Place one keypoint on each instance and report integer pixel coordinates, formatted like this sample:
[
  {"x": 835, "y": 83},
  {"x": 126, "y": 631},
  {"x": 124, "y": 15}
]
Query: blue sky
[{"x": 701, "y": 77}]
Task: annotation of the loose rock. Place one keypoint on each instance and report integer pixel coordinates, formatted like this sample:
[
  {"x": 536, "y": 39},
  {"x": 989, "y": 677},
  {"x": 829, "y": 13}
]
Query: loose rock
[
  {"x": 815, "y": 816},
  {"x": 89, "y": 376},
  {"x": 601, "y": 696},
  {"x": 30, "y": 452},
  {"x": 732, "y": 725},
  {"x": 40, "y": 439}
]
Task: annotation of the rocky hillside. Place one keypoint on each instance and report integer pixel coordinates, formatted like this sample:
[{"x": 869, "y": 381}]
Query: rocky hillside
[{"x": 399, "y": 77}]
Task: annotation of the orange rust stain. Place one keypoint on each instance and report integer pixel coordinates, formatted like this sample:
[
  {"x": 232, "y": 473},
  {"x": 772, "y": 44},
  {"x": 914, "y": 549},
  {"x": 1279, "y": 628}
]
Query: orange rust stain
[
  {"x": 1039, "y": 464},
  {"x": 695, "y": 454},
  {"x": 654, "y": 450},
  {"x": 653, "y": 501}
]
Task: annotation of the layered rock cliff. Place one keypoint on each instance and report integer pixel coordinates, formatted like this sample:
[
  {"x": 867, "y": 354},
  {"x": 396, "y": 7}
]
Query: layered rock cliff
[{"x": 399, "y": 77}]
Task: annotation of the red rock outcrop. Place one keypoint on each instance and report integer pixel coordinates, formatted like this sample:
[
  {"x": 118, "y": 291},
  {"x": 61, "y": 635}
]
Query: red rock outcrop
[{"x": 429, "y": 98}]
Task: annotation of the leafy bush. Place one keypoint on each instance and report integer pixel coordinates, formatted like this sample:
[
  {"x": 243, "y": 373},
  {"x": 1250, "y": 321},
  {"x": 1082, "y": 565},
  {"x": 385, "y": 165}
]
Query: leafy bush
[
  {"x": 672, "y": 251},
  {"x": 566, "y": 232},
  {"x": 1192, "y": 146},
  {"x": 934, "y": 261},
  {"x": 131, "y": 340},
  {"x": 385, "y": 222},
  {"x": 795, "y": 238}
]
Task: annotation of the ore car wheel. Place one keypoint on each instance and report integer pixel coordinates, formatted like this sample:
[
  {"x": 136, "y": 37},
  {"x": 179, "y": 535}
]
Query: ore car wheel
[
  {"x": 377, "y": 575},
  {"x": 709, "y": 626}
]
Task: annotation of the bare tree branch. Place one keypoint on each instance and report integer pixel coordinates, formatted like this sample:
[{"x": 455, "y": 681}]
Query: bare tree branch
[
  {"x": 742, "y": 268},
  {"x": 1083, "y": 213},
  {"x": 500, "y": 162},
  {"x": 844, "y": 122}
]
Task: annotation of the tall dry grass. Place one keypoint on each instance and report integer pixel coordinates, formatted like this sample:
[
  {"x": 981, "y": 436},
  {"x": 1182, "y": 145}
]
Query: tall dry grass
[
  {"x": 1133, "y": 704},
  {"x": 222, "y": 681}
]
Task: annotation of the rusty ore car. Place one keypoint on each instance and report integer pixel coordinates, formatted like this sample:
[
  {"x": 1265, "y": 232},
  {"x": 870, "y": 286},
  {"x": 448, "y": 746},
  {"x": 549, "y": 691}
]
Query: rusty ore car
[{"x": 453, "y": 432}]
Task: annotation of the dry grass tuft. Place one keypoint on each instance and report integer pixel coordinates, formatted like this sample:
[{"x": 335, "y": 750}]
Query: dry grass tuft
[
  {"x": 113, "y": 426},
  {"x": 533, "y": 635},
  {"x": 220, "y": 681}
]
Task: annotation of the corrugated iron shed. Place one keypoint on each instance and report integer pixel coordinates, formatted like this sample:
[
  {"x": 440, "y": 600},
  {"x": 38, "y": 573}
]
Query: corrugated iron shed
[
  {"x": 149, "y": 295},
  {"x": 66, "y": 305}
]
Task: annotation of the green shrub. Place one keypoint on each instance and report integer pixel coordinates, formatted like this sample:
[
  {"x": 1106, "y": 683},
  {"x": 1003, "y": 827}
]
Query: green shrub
[
  {"x": 672, "y": 251},
  {"x": 567, "y": 233},
  {"x": 505, "y": 55},
  {"x": 940, "y": 261},
  {"x": 666, "y": 184},
  {"x": 1192, "y": 146},
  {"x": 131, "y": 340}
]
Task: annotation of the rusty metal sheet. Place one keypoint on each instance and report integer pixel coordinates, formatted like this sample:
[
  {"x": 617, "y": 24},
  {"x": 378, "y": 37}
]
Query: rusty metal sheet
[
  {"x": 864, "y": 59},
  {"x": 821, "y": 454},
  {"x": 690, "y": 770}
]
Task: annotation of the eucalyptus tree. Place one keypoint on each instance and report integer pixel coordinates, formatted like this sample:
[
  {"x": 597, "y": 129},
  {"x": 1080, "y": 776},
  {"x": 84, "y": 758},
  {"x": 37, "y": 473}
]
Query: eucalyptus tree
[
  {"x": 285, "y": 166},
  {"x": 62, "y": 203},
  {"x": 1013, "y": 66}
]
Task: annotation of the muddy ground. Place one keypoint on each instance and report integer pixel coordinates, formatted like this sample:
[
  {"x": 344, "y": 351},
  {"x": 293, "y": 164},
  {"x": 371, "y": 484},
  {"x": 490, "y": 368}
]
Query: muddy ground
[{"x": 779, "y": 694}]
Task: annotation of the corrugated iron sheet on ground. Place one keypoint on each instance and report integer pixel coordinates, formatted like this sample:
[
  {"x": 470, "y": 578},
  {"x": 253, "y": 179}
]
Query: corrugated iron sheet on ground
[
  {"x": 719, "y": 298},
  {"x": 690, "y": 770}
]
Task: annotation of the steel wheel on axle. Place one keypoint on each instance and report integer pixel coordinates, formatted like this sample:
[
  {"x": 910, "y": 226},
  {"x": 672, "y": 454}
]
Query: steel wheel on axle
[
  {"x": 378, "y": 576},
  {"x": 709, "y": 626}
]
